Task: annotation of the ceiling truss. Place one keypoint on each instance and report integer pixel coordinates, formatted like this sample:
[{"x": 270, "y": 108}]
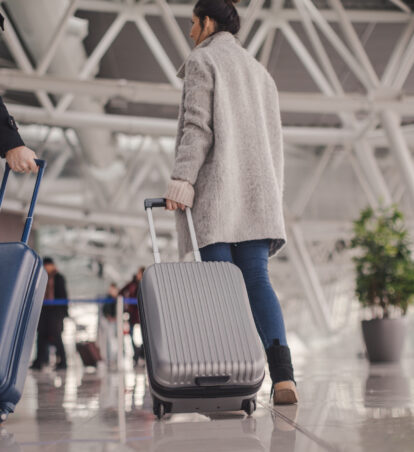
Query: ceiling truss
[{"x": 368, "y": 120}]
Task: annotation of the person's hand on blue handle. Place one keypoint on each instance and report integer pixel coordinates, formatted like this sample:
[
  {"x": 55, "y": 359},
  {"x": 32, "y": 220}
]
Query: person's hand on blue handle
[{"x": 22, "y": 160}]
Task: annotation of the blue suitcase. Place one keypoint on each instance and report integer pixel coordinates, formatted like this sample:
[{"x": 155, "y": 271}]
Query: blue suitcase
[{"x": 22, "y": 288}]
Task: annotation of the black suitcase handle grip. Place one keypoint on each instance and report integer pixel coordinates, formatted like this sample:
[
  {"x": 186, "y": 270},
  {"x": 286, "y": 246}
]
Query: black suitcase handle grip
[
  {"x": 29, "y": 220},
  {"x": 155, "y": 202}
]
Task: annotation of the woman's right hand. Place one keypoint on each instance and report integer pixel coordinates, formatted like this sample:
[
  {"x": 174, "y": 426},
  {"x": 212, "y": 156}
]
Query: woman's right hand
[
  {"x": 22, "y": 160},
  {"x": 172, "y": 205}
]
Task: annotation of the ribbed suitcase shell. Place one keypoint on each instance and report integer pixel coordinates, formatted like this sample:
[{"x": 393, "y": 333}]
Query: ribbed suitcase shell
[
  {"x": 198, "y": 327},
  {"x": 22, "y": 287}
]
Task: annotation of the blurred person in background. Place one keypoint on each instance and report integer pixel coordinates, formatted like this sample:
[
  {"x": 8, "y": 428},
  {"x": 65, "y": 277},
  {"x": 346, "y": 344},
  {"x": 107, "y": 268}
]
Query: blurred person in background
[
  {"x": 131, "y": 291},
  {"x": 107, "y": 327},
  {"x": 109, "y": 308},
  {"x": 50, "y": 328}
]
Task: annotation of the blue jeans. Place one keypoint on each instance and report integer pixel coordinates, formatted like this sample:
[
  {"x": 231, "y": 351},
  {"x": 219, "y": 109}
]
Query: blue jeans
[{"x": 252, "y": 259}]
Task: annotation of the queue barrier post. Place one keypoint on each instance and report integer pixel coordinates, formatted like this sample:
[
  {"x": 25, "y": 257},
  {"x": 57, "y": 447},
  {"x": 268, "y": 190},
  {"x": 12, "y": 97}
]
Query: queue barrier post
[{"x": 120, "y": 331}]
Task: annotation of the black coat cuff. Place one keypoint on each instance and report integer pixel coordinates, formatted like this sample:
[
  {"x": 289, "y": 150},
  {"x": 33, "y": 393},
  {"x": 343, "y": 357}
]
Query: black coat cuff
[{"x": 9, "y": 135}]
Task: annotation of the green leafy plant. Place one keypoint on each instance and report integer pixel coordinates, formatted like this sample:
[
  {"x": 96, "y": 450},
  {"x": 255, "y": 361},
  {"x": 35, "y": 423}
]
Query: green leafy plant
[{"x": 384, "y": 267}]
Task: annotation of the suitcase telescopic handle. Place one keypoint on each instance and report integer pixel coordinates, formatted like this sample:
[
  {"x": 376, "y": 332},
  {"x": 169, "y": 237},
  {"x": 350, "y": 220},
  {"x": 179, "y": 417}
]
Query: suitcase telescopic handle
[
  {"x": 29, "y": 220},
  {"x": 161, "y": 202}
]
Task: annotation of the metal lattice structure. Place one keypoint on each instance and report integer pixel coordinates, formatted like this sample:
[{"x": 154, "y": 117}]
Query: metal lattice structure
[{"x": 93, "y": 84}]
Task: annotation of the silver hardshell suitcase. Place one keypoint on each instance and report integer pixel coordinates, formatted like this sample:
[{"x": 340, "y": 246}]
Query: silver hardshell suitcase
[{"x": 201, "y": 345}]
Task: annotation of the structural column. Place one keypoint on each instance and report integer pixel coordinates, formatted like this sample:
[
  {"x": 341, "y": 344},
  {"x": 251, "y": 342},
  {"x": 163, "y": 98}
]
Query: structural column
[{"x": 399, "y": 147}]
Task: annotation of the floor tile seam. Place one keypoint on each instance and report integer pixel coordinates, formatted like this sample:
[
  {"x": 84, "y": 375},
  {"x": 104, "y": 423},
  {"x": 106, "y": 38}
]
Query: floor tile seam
[
  {"x": 45, "y": 445},
  {"x": 62, "y": 439},
  {"x": 321, "y": 442},
  {"x": 52, "y": 443}
]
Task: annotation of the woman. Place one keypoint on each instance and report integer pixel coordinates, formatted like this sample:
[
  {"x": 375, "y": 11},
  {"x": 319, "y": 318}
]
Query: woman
[{"x": 229, "y": 169}]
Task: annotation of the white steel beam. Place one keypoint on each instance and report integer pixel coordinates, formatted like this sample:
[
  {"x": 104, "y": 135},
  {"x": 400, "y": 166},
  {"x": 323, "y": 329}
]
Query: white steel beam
[
  {"x": 259, "y": 38},
  {"x": 137, "y": 181},
  {"x": 95, "y": 57},
  {"x": 132, "y": 169},
  {"x": 402, "y": 5},
  {"x": 318, "y": 47},
  {"x": 162, "y": 163},
  {"x": 151, "y": 93},
  {"x": 337, "y": 43},
  {"x": 174, "y": 29},
  {"x": 363, "y": 151},
  {"x": 306, "y": 58},
  {"x": 354, "y": 41},
  {"x": 85, "y": 120},
  {"x": 165, "y": 94},
  {"x": 310, "y": 278},
  {"x": 307, "y": 136},
  {"x": 349, "y": 103},
  {"x": 369, "y": 165},
  {"x": 395, "y": 61},
  {"x": 98, "y": 196},
  {"x": 309, "y": 187},
  {"x": 407, "y": 62},
  {"x": 55, "y": 169},
  {"x": 158, "y": 51},
  {"x": 81, "y": 216},
  {"x": 164, "y": 127},
  {"x": 289, "y": 14},
  {"x": 22, "y": 60},
  {"x": 306, "y": 271},
  {"x": 366, "y": 187},
  {"x": 249, "y": 18},
  {"x": 56, "y": 38},
  {"x": 399, "y": 148},
  {"x": 267, "y": 48}
]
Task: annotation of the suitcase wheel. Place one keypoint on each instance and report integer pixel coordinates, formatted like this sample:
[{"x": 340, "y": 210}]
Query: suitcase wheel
[
  {"x": 249, "y": 406},
  {"x": 3, "y": 416},
  {"x": 158, "y": 408}
]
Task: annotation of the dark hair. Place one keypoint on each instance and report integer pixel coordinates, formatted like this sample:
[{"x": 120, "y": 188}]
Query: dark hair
[
  {"x": 48, "y": 260},
  {"x": 222, "y": 11}
]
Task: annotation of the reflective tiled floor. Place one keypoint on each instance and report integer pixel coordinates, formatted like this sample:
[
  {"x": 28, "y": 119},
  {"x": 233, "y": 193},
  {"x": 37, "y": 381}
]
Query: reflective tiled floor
[{"x": 346, "y": 405}]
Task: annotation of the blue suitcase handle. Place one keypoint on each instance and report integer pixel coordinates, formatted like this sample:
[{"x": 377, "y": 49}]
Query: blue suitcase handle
[{"x": 29, "y": 220}]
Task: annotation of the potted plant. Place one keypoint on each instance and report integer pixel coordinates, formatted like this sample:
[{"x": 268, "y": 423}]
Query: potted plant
[{"x": 384, "y": 279}]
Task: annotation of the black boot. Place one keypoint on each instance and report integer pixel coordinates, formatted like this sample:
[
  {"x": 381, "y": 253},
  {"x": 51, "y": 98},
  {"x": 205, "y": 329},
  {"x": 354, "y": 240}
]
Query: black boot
[
  {"x": 280, "y": 362},
  {"x": 281, "y": 372}
]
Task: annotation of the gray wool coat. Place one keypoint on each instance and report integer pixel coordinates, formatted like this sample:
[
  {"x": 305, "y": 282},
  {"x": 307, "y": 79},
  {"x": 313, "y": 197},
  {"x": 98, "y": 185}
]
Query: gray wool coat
[{"x": 229, "y": 147}]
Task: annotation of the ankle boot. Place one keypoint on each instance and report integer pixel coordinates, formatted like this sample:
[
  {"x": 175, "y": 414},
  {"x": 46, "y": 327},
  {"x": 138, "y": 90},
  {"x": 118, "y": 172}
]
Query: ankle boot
[{"x": 281, "y": 373}]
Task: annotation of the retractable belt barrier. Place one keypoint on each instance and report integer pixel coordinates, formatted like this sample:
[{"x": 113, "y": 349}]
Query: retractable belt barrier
[
  {"x": 120, "y": 303},
  {"x": 63, "y": 302}
]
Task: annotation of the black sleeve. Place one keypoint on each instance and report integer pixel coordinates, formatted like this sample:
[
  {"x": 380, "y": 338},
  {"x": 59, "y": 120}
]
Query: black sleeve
[
  {"x": 9, "y": 136},
  {"x": 60, "y": 287}
]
